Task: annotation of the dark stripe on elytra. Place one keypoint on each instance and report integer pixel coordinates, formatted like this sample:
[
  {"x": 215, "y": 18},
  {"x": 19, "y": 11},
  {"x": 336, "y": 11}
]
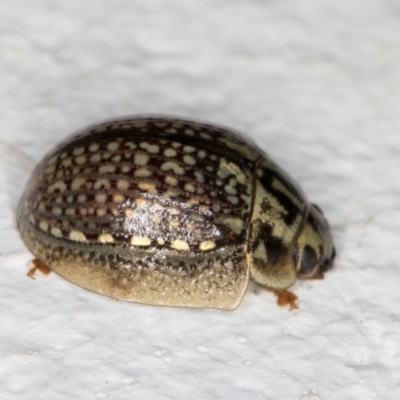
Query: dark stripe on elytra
[{"x": 292, "y": 209}]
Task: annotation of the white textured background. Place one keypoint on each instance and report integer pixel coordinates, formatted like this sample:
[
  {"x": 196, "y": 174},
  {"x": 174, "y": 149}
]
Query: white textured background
[{"x": 317, "y": 84}]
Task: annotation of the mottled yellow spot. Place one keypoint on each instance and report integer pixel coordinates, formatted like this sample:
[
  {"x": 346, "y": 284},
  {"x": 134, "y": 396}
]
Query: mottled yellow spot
[
  {"x": 207, "y": 245},
  {"x": 94, "y": 147},
  {"x": 174, "y": 166},
  {"x": 171, "y": 192},
  {"x": 83, "y": 211},
  {"x": 116, "y": 158},
  {"x": 157, "y": 220},
  {"x": 70, "y": 211},
  {"x": 205, "y": 135},
  {"x": 95, "y": 158},
  {"x": 204, "y": 209},
  {"x": 101, "y": 129},
  {"x": 113, "y": 146},
  {"x": 122, "y": 184},
  {"x": 216, "y": 208},
  {"x": 103, "y": 182},
  {"x": 44, "y": 226},
  {"x": 142, "y": 173},
  {"x": 233, "y": 199},
  {"x": 190, "y": 187},
  {"x": 80, "y": 160},
  {"x": 230, "y": 190},
  {"x": 201, "y": 154},
  {"x": 176, "y": 145},
  {"x": 241, "y": 177},
  {"x": 160, "y": 241},
  {"x": 170, "y": 152},
  {"x": 82, "y": 198},
  {"x": 189, "y": 132},
  {"x": 141, "y": 159},
  {"x": 189, "y": 160},
  {"x": 101, "y": 197},
  {"x": 174, "y": 223},
  {"x": 189, "y": 149},
  {"x": 179, "y": 244},
  {"x": 228, "y": 168},
  {"x": 199, "y": 176},
  {"x": 171, "y": 130},
  {"x": 101, "y": 212},
  {"x": 67, "y": 162},
  {"x": 140, "y": 241},
  {"x": 118, "y": 198},
  {"x": 140, "y": 200},
  {"x": 130, "y": 145},
  {"x": 148, "y": 186},
  {"x": 170, "y": 180},
  {"x": 56, "y": 231},
  {"x": 153, "y": 148},
  {"x": 192, "y": 201},
  {"x": 50, "y": 169},
  {"x": 59, "y": 185},
  {"x": 126, "y": 126},
  {"x": 125, "y": 168},
  {"x": 57, "y": 211},
  {"x": 233, "y": 223},
  {"x": 75, "y": 171},
  {"x": 78, "y": 151},
  {"x": 109, "y": 168},
  {"x": 105, "y": 238},
  {"x": 77, "y": 236}
]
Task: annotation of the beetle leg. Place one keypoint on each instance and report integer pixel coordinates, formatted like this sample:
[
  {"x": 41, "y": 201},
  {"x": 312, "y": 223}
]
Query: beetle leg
[
  {"x": 285, "y": 297},
  {"x": 38, "y": 265}
]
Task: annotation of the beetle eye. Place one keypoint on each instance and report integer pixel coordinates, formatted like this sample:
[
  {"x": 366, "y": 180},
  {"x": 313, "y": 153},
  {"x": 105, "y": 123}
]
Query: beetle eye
[{"x": 308, "y": 262}]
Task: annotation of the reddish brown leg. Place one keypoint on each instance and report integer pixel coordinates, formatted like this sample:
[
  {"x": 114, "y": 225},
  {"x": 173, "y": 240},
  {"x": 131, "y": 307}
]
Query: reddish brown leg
[
  {"x": 38, "y": 265},
  {"x": 285, "y": 297}
]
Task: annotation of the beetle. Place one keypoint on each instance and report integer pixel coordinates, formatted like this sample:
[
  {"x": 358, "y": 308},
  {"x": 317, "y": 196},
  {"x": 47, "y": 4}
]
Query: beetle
[{"x": 173, "y": 212}]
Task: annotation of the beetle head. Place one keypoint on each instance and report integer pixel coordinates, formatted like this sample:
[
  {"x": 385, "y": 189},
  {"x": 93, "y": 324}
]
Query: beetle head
[{"x": 314, "y": 252}]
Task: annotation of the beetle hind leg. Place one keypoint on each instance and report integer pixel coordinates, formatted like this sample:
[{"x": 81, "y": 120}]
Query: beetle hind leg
[{"x": 38, "y": 265}]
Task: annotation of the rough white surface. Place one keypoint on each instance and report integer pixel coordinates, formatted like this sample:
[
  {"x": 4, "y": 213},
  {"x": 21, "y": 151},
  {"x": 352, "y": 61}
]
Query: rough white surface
[{"x": 317, "y": 84}]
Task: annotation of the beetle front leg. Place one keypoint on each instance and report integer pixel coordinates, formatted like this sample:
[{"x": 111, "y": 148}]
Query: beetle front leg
[{"x": 285, "y": 297}]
